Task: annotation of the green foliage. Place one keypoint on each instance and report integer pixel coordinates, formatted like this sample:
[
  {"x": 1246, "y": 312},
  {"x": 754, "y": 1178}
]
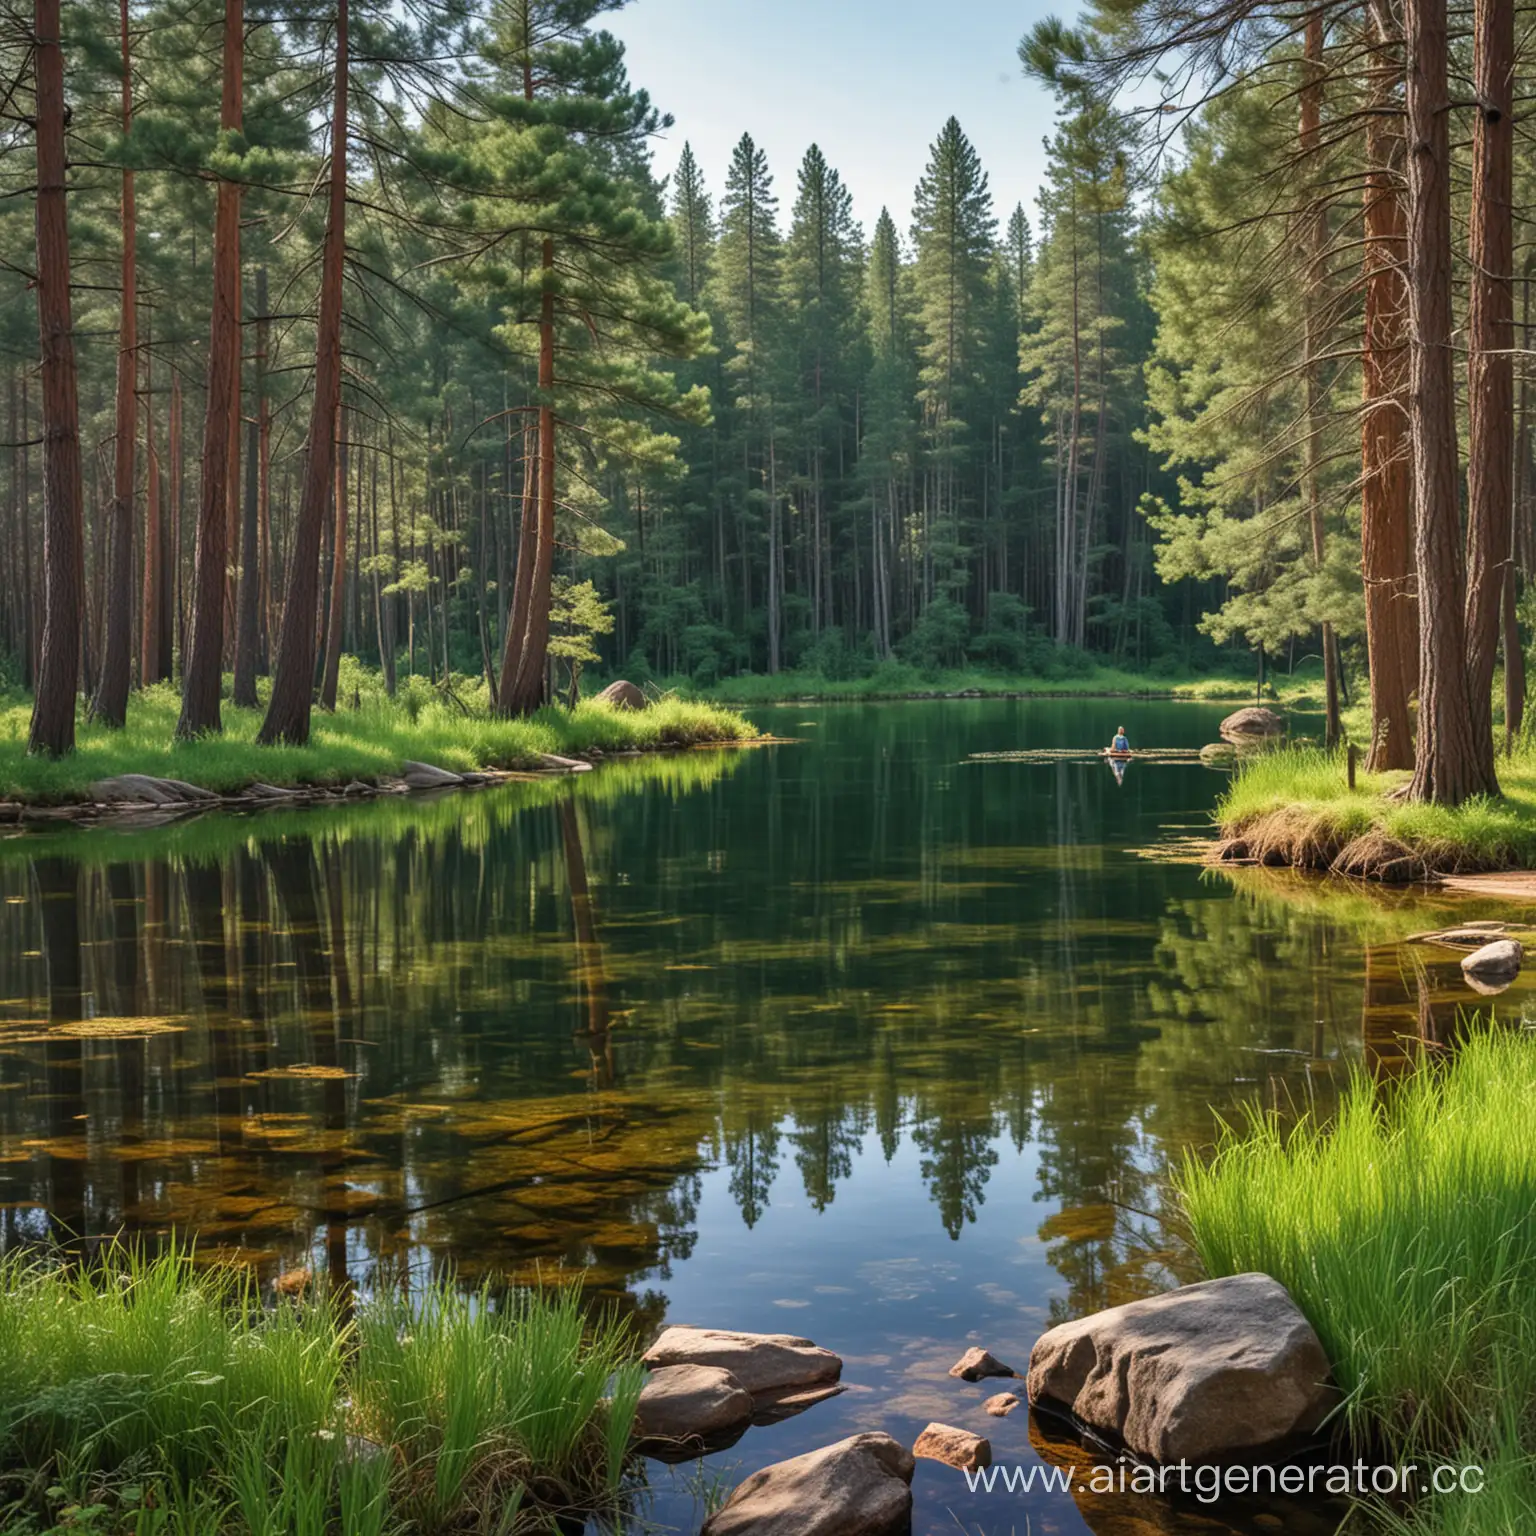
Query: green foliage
[{"x": 158, "y": 1390}]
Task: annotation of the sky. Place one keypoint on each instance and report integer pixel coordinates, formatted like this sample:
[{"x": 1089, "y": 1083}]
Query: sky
[{"x": 870, "y": 81}]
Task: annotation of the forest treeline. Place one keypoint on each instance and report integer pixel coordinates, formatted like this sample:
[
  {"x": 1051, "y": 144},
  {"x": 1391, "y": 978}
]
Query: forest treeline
[{"x": 373, "y": 329}]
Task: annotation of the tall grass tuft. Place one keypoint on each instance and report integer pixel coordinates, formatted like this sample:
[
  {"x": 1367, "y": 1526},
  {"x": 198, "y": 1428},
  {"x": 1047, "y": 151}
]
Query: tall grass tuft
[
  {"x": 165, "y": 1396},
  {"x": 1405, "y": 1232}
]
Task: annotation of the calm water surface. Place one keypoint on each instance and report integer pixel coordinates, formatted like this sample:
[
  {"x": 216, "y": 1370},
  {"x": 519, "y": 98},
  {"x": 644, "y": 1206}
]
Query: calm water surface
[{"x": 850, "y": 1038}]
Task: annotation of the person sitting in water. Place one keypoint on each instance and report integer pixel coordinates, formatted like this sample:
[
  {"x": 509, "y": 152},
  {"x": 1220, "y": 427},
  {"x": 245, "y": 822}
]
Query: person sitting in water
[{"x": 1122, "y": 742}]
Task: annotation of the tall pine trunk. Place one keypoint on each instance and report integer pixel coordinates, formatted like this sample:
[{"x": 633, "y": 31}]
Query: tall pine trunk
[
  {"x": 1386, "y": 471},
  {"x": 1490, "y": 360},
  {"x": 1314, "y": 235},
  {"x": 154, "y": 612},
  {"x": 293, "y": 676},
  {"x": 110, "y": 706},
  {"x": 333, "y": 633},
  {"x": 203, "y": 664},
  {"x": 1448, "y": 765},
  {"x": 58, "y": 672},
  {"x": 248, "y": 602}
]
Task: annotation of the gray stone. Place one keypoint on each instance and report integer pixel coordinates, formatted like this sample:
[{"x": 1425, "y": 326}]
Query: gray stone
[
  {"x": 761, "y": 1362},
  {"x": 1194, "y": 1375},
  {"x": 957, "y": 1448},
  {"x": 977, "y": 1364},
  {"x": 691, "y": 1402},
  {"x": 564, "y": 764},
  {"x": 860, "y": 1486},
  {"x": 621, "y": 695},
  {"x": 1494, "y": 963},
  {"x": 188, "y": 791},
  {"x": 428, "y": 776},
  {"x": 1252, "y": 722},
  {"x": 135, "y": 789}
]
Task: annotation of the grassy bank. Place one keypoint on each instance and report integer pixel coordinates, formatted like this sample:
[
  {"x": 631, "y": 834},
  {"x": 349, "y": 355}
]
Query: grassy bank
[
  {"x": 151, "y": 1397},
  {"x": 896, "y": 680},
  {"x": 1295, "y": 807},
  {"x": 365, "y": 742},
  {"x": 1404, "y": 1232}
]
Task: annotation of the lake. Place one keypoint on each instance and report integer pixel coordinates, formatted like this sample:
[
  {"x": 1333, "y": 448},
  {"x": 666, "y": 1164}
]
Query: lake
[{"x": 849, "y": 1037}]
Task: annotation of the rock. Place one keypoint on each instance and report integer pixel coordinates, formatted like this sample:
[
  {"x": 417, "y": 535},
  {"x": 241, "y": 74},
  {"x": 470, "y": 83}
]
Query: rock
[
  {"x": 1194, "y": 1375},
  {"x": 1001, "y": 1405},
  {"x": 957, "y": 1448},
  {"x": 135, "y": 789},
  {"x": 761, "y": 1362},
  {"x": 260, "y": 791},
  {"x": 860, "y": 1486},
  {"x": 1494, "y": 963},
  {"x": 621, "y": 695},
  {"x": 1252, "y": 723},
  {"x": 691, "y": 1402},
  {"x": 1218, "y": 752},
  {"x": 428, "y": 776},
  {"x": 564, "y": 764},
  {"x": 775, "y": 1407},
  {"x": 975, "y": 1364},
  {"x": 356, "y": 787},
  {"x": 188, "y": 791}
]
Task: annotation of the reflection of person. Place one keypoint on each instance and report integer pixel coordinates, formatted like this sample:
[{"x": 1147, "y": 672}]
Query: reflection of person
[
  {"x": 1122, "y": 742},
  {"x": 1117, "y": 764}
]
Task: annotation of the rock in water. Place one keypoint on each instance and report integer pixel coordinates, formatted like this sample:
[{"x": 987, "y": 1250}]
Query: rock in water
[
  {"x": 1252, "y": 724},
  {"x": 761, "y": 1362},
  {"x": 1494, "y": 963},
  {"x": 143, "y": 789},
  {"x": 859, "y": 1487},
  {"x": 691, "y": 1402},
  {"x": 621, "y": 695},
  {"x": 957, "y": 1448},
  {"x": 1194, "y": 1375},
  {"x": 565, "y": 764},
  {"x": 1001, "y": 1405},
  {"x": 428, "y": 776},
  {"x": 975, "y": 1364}
]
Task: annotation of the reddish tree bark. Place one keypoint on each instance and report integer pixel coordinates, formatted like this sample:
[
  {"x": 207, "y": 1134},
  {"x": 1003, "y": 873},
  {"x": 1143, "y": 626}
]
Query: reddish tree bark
[
  {"x": 203, "y": 664},
  {"x": 154, "y": 611},
  {"x": 522, "y": 580},
  {"x": 1386, "y": 470},
  {"x": 333, "y": 636},
  {"x": 110, "y": 705},
  {"x": 1448, "y": 764},
  {"x": 1490, "y": 360},
  {"x": 58, "y": 672},
  {"x": 248, "y": 605},
  {"x": 293, "y": 678}
]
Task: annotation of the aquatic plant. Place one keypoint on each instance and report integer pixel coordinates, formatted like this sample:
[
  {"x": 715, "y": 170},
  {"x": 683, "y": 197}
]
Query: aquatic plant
[
  {"x": 1403, "y": 1230},
  {"x": 163, "y": 1395}
]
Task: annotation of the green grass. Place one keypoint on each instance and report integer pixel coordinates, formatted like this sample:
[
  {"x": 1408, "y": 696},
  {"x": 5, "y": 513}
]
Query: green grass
[
  {"x": 897, "y": 680},
  {"x": 154, "y": 1396},
  {"x": 1404, "y": 1232},
  {"x": 1303, "y": 795},
  {"x": 365, "y": 742}
]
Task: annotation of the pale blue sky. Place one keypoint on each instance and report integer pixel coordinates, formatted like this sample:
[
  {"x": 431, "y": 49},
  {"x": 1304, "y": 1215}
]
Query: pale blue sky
[{"x": 871, "y": 81}]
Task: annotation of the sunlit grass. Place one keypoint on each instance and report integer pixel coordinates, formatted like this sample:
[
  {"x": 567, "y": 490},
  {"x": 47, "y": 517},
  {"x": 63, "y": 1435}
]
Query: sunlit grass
[
  {"x": 1308, "y": 789},
  {"x": 1404, "y": 1232},
  {"x": 165, "y": 1396},
  {"x": 368, "y": 738}
]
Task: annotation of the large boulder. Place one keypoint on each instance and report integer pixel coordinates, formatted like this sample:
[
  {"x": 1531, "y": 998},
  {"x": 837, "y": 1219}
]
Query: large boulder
[
  {"x": 429, "y": 776},
  {"x": 1496, "y": 964},
  {"x": 1252, "y": 724},
  {"x": 143, "y": 789},
  {"x": 681, "y": 1403},
  {"x": 621, "y": 695},
  {"x": 761, "y": 1362},
  {"x": 859, "y": 1487},
  {"x": 1195, "y": 1375}
]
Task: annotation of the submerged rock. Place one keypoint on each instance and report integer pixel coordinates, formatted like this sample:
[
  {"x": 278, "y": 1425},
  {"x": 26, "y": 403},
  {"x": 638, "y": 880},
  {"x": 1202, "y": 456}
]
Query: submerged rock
[
  {"x": 691, "y": 1402},
  {"x": 957, "y": 1448},
  {"x": 761, "y": 1362},
  {"x": 860, "y": 1486},
  {"x": 775, "y": 1407},
  {"x": 1494, "y": 964},
  {"x": 1194, "y": 1375},
  {"x": 621, "y": 695},
  {"x": 1253, "y": 723},
  {"x": 976, "y": 1364}
]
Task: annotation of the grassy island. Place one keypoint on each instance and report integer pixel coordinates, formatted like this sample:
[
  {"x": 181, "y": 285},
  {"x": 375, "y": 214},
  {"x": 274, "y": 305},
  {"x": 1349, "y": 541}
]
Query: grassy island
[
  {"x": 366, "y": 740},
  {"x": 1295, "y": 806},
  {"x": 1403, "y": 1231},
  {"x": 152, "y": 1396}
]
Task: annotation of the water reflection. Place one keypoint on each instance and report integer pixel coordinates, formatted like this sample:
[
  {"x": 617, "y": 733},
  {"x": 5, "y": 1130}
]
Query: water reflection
[{"x": 901, "y": 1044}]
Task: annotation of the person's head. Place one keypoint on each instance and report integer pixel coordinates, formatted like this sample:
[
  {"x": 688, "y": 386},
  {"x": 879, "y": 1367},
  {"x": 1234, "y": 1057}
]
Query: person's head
[{"x": 1119, "y": 730}]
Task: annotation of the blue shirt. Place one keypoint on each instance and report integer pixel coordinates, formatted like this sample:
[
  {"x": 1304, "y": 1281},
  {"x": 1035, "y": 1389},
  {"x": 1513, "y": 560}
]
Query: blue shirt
[{"x": 1121, "y": 745}]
